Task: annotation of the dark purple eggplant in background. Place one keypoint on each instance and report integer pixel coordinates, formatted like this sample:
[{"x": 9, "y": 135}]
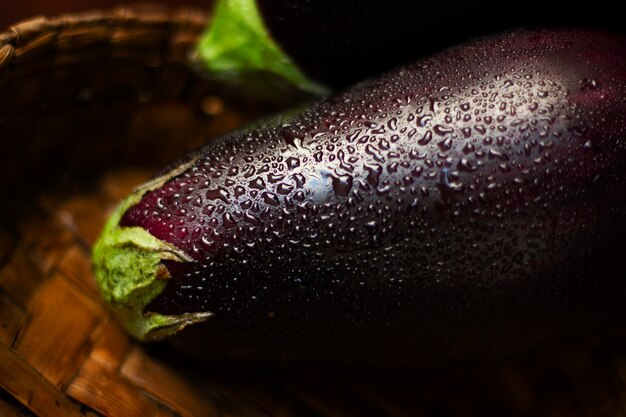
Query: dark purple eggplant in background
[
  {"x": 337, "y": 43},
  {"x": 468, "y": 205}
]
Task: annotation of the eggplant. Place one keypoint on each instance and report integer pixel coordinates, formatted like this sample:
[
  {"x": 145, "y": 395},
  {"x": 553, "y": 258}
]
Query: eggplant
[
  {"x": 468, "y": 205},
  {"x": 276, "y": 45}
]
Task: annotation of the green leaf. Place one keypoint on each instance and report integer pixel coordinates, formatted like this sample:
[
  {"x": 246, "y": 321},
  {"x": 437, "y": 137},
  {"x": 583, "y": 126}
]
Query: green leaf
[
  {"x": 239, "y": 49},
  {"x": 128, "y": 269}
]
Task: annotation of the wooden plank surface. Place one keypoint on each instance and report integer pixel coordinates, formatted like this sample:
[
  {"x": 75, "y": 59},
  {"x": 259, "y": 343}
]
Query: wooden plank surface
[
  {"x": 80, "y": 215},
  {"x": 110, "y": 343},
  {"x": 76, "y": 266},
  {"x": 186, "y": 395},
  {"x": 60, "y": 325},
  {"x": 24, "y": 383},
  {"x": 9, "y": 407},
  {"x": 11, "y": 318},
  {"x": 117, "y": 184},
  {"x": 20, "y": 278},
  {"x": 104, "y": 390}
]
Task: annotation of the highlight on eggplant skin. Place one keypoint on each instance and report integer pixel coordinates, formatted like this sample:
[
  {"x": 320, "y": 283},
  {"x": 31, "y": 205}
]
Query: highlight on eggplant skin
[{"x": 470, "y": 204}]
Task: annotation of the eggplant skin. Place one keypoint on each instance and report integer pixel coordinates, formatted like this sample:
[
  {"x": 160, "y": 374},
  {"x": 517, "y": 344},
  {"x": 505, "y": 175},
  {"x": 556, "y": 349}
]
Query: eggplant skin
[
  {"x": 467, "y": 205},
  {"x": 338, "y": 42}
]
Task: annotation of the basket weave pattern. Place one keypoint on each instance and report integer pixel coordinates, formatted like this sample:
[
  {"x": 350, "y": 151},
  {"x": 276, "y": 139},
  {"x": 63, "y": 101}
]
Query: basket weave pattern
[{"x": 90, "y": 105}]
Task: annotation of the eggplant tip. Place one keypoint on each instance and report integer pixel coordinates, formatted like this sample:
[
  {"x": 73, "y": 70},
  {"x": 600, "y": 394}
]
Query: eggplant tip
[{"x": 127, "y": 264}]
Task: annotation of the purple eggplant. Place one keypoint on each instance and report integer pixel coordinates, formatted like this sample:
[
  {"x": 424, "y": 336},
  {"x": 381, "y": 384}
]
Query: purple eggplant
[
  {"x": 470, "y": 204},
  {"x": 286, "y": 50},
  {"x": 338, "y": 42}
]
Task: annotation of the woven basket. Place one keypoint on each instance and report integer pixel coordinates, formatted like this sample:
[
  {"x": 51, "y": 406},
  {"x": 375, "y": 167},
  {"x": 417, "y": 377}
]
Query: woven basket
[{"x": 90, "y": 105}]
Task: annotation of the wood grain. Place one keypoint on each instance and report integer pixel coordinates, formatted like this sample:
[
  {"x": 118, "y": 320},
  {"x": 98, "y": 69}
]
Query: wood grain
[
  {"x": 11, "y": 319},
  {"x": 56, "y": 335},
  {"x": 75, "y": 265},
  {"x": 77, "y": 214},
  {"x": 102, "y": 389},
  {"x": 30, "y": 388},
  {"x": 111, "y": 344},
  {"x": 185, "y": 394},
  {"x": 20, "y": 278},
  {"x": 9, "y": 407}
]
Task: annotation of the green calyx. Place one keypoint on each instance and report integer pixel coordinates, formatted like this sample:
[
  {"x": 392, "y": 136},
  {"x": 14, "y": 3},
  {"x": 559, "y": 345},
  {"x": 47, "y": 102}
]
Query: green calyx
[
  {"x": 128, "y": 269},
  {"x": 237, "y": 47}
]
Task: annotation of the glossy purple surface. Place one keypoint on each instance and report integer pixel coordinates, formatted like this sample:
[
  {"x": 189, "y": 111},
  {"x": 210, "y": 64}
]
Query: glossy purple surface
[
  {"x": 339, "y": 42},
  {"x": 471, "y": 202}
]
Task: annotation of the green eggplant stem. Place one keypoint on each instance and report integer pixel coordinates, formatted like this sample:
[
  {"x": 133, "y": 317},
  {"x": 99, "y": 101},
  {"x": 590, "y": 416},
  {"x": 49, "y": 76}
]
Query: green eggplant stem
[
  {"x": 128, "y": 270},
  {"x": 238, "y": 48}
]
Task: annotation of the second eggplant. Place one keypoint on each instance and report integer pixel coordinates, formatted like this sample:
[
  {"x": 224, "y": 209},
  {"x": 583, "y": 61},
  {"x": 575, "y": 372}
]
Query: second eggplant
[{"x": 468, "y": 205}]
